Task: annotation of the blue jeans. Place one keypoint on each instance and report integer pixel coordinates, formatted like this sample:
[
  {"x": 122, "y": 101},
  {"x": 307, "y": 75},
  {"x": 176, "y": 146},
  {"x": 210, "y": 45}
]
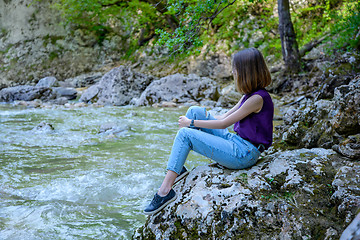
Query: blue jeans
[{"x": 228, "y": 149}]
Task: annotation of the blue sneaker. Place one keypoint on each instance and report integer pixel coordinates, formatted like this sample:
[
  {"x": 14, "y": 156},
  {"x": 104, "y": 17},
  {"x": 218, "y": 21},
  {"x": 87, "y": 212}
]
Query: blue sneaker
[
  {"x": 184, "y": 172},
  {"x": 158, "y": 203}
]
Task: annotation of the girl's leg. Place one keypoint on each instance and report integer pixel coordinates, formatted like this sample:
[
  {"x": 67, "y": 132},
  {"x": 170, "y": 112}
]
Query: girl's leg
[
  {"x": 200, "y": 113},
  {"x": 182, "y": 147},
  {"x": 167, "y": 183},
  {"x": 232, "y": 152}
]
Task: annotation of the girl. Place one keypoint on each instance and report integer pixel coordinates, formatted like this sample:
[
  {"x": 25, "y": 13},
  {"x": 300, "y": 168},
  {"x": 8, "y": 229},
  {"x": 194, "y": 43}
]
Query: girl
[{"x": 252, "y": 117}]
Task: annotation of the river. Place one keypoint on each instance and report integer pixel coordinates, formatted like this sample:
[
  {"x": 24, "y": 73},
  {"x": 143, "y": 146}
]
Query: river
[{"x": 80, "y": 181}]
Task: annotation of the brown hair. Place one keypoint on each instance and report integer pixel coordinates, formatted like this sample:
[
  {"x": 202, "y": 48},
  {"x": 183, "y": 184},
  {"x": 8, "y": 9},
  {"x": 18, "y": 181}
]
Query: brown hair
[{"x": 250, "y": 70}]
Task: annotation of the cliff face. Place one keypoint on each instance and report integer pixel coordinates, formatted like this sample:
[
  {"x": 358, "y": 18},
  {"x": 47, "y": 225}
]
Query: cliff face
[
  {"x": 33, "y": 45},
  {"x": 299, "y": 194},
  {"x": 26, "y": 20}
]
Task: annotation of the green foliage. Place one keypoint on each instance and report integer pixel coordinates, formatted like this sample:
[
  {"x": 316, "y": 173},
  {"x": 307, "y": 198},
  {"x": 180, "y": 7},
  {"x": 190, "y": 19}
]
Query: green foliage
[
  {"x": 328, "y": 16},
  {"x": 194, "y": 17},
  {"x": 88, "y": 13},
  {"x": 105, "y": 16},
  {"x": 208, "y": 22},
  {"x": 348, "y": 26},
  {"x": 201, "y": 22}
]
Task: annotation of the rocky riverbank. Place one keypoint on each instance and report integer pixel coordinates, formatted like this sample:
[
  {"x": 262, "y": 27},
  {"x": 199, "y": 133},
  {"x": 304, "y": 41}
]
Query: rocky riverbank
[
  {"x": 291, "y": 193},
  {"x": 305, "y": 187},
  {"x": 298, "y": 194}
]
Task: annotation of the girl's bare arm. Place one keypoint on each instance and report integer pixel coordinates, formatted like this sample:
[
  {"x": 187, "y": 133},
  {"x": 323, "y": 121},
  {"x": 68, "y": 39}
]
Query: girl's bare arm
[
  {"x": 253, "y": 104},
  {"x": 219, "y": 117}
]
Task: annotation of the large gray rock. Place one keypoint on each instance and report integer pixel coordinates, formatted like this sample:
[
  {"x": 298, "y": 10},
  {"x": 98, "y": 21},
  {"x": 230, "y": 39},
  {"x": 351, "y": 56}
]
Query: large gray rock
[
  {"x": 26, "y": 93},
  {"x": 117, "y": 87},
  {"x": 47, "y": 82},
  {"x": 179, "y": 88},
  {"x": 299, "y": 194}
]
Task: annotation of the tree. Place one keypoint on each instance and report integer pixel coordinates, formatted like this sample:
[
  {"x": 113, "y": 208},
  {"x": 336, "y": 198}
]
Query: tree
[
  {"x": 203, "y": 12},
  {"x": 289, "y": 44}
]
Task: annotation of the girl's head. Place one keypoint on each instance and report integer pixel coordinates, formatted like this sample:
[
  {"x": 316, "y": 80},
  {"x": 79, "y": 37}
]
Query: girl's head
[{"x": 250, "y": 70}]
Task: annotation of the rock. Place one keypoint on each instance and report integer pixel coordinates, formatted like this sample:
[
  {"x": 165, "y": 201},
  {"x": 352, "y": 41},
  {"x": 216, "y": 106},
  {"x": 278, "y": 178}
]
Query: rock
[
  {"x": 59, "y": 101},
  {"x": 47, "y": 82},
  {"x": 314, "y": 54},
  {"x": 256, "y": 37},
  {"x": 165, "y": 104},
  {"x": 31, "y": 104},
  {"x": 208, "y": 103},
  {"x": 299, "y": 194},
  {"x": 352, "y": 232},
  {"x": 69, "y": 93},
  {"x": 91, "y": 94},
  {"x": 117, "y": 87},
  {"x": 44, "y": 127},
  {"x": 179, "y": 88},
  {"x": 85, "y": 40},
  {"x": 26, "y": 93},
  {"x": 80, "y": 105},
  {"x": 346, "y": 186},
  {"x": 324, "y": 123},
  {"x": 229, "y": 96},
  {"x": 114, "y": 129},
  {"x": 217, "y": 66},
  {"x": 329, "y": 84},
  {"x": 85, "y": 80},
  {"x": 346, "y": 118},
  {"x": 350, "y": 147}
]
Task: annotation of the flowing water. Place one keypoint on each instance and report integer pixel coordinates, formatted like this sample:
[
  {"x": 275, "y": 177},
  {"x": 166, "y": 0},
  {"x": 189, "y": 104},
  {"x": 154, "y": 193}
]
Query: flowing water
[{"x": 90, "y": 177}]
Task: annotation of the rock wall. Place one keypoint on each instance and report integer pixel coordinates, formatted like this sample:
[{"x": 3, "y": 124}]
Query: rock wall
[
  {"x": 34, "y": 45},
  {"x": 333, "y": 123},
  {"x": 25, "y": 20}
]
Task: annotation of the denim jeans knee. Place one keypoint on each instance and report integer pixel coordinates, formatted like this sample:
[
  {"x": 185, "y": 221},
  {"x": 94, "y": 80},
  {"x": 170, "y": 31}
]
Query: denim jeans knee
[{"x": 197, "y": 113}]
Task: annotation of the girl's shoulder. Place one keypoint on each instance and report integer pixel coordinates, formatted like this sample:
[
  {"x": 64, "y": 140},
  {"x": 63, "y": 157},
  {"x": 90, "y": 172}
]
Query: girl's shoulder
[{"x": 262, "y": 92}]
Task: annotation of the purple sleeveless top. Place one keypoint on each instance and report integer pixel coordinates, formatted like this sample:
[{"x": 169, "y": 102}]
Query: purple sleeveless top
[{"x": 257, "y": 128}]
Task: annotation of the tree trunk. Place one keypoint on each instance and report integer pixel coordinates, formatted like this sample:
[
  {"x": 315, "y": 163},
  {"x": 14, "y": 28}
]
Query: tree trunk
[{"x": 289, "y": 45}]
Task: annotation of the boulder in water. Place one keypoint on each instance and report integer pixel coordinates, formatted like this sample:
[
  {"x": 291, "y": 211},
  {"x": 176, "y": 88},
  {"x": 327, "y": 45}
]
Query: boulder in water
[
  {"x": 179, "y": 88},
  {"x": 113, "y": 129},
  {"x": 117, "y": 87},
  {"x": 26, "y": 93},
  {"x": 44, "y": 127}
]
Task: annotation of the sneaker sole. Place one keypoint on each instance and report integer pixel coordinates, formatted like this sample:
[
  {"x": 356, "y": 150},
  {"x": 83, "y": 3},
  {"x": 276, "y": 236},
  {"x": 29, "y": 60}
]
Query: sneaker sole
[
  {"x": 162, "y": 207},
  {"x": 180, "y": 177}
]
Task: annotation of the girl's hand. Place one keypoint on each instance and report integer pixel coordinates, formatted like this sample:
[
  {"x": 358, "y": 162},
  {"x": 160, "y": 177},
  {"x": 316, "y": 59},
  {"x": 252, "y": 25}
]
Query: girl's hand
[{"x": 184, "y": 122}]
